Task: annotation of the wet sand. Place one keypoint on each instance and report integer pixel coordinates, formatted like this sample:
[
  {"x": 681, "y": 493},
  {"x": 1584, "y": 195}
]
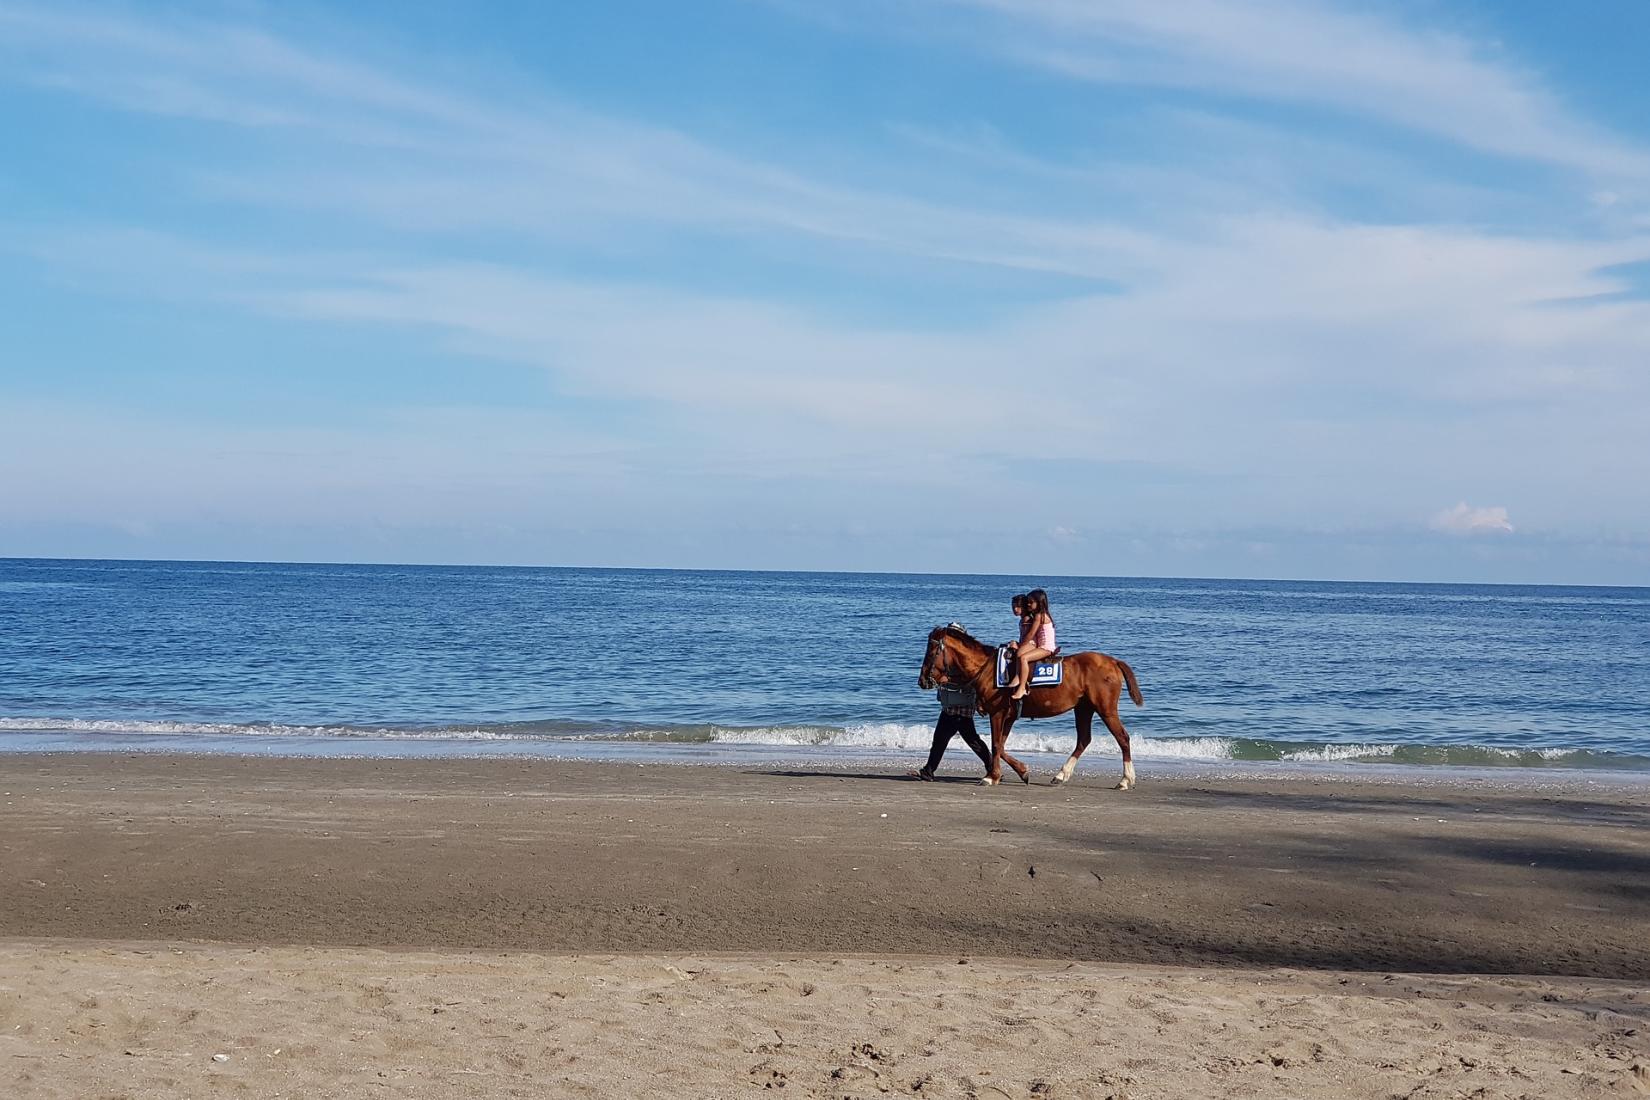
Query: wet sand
[{"x": 727, "y": 891}]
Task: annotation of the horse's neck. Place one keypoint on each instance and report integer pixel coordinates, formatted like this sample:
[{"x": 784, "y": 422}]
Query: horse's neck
[{"x": 977, "y": 656}]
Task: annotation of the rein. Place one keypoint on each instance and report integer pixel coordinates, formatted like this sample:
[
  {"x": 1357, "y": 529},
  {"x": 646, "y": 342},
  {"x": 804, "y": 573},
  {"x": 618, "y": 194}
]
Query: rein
[
  {"x": 942, "y": 664},
  {"x": 943, "y": 673}
]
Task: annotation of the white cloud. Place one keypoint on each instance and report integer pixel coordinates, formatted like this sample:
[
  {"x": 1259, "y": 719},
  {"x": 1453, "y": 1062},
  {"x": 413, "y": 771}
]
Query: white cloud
[
  {"x": 1233, "y": 363},
  {"x": 1309, "y": 52},
  {"x": 426, "y": 156},
  {"x": 1464, "y": 519}
]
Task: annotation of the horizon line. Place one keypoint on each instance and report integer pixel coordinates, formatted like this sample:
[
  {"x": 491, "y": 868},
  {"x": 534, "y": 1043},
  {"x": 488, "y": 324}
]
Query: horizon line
[{"x": 806, "y": 572}]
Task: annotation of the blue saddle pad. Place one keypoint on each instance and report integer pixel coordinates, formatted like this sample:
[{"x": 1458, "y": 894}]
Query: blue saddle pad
[{"x": 1043, "y": 673}]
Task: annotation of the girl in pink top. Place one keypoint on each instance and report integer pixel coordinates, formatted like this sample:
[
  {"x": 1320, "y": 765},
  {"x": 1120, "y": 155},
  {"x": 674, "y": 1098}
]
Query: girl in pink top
[{"x": 1038, "y": 639}]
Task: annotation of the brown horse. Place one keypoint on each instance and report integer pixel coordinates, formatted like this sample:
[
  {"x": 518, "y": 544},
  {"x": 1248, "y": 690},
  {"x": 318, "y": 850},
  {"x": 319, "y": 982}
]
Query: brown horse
[{"x": 1093, "y": 684}]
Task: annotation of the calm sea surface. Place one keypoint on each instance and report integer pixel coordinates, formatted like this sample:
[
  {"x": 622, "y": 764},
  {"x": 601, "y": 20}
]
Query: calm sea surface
[{"x": 177, "y": 656}]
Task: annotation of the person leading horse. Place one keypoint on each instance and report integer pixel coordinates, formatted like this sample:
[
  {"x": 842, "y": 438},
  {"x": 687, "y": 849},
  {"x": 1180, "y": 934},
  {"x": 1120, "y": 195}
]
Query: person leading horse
[{"x": 1092, "y": 684}]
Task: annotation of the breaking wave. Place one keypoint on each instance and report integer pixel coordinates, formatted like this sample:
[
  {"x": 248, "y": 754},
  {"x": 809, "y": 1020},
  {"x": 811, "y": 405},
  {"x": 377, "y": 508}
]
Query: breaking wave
[
  {"x": 249, "y": 729},
  {"x": 914, "y": 737},
  {"x": 891, "y": 738}
]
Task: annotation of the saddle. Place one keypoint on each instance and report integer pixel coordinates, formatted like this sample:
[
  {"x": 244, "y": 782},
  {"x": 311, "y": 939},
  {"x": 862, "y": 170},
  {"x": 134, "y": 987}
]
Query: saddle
[{"x": 1048, "y": 672}]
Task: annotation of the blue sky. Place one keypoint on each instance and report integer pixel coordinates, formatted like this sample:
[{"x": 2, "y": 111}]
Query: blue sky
[{"x": 1276, "y": 288}]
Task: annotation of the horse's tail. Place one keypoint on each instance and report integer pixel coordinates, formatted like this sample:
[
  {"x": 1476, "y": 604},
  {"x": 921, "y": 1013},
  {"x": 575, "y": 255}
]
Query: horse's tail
[{"x": 1134, "y": 685}]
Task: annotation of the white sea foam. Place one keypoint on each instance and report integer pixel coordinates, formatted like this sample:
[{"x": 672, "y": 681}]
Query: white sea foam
[
  {"x": 237, "y": 729},
  {"x": 1328, "y": 754},
  {"x": 1519, "y": 754},
  {"x": 891, "y": 736},
  {"x": 914, "y": 737}
]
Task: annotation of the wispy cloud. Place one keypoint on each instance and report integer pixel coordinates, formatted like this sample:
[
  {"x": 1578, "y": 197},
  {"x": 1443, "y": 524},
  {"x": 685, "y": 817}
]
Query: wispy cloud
[
  {"x": 428, "y": 157},
  {"x": 1304, "y": 52},
  {"x": 1274, "y": 324}
]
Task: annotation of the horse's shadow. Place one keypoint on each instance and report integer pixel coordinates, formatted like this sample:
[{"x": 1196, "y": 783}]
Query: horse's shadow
[{"x": 896, "y": 777}]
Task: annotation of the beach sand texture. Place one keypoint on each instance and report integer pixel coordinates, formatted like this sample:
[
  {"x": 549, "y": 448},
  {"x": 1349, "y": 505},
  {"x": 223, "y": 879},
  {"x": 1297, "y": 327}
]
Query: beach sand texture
[
  {"x": 532, "y": 928},
  {"x": 89, "y": 1022}
]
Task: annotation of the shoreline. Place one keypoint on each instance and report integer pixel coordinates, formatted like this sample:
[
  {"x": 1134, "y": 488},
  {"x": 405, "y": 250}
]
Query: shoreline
[{"x": 620, "y": 752}]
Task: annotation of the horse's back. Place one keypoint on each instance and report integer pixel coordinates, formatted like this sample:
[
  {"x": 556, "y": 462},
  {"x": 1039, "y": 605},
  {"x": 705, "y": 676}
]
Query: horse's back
[
  {"x": 1095, "y": 668},
  {"x": 1092, "y": 658}
]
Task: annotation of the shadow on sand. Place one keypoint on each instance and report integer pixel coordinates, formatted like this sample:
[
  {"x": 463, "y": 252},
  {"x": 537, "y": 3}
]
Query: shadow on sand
[{"x": 896, "y": 777}]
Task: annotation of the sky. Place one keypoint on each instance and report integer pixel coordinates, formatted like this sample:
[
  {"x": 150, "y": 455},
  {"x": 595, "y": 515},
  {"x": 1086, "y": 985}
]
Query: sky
[{"x": 1271, "y": 288}]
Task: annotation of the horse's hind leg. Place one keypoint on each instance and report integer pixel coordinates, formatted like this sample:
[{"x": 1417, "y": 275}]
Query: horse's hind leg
[
  {"x": 1085, "y": 734},
  {"x": 1115, "y": 724}
]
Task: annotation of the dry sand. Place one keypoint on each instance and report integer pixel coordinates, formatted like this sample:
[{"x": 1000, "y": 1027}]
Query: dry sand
[
  {"x": 513, "y": 928},
  {"x": 90, "y": 1023}
]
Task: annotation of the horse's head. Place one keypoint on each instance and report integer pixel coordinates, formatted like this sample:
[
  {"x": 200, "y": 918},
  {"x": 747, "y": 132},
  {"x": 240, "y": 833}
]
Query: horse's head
[{"x": 936, "y": 663}]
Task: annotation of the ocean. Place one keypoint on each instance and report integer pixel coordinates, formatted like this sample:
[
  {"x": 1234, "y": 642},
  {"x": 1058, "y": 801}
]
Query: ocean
[{"x": 714, "y": 667}]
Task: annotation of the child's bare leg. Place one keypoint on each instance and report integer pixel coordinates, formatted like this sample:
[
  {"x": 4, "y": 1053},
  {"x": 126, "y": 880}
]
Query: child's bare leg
[
  {"x": 1022, "y": 682},
  {"x": 1029, "y": 655}
]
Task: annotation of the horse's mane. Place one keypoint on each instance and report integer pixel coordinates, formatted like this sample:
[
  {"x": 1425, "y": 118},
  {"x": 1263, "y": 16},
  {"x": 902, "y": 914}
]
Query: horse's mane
[{"x": 963, "y": 635}]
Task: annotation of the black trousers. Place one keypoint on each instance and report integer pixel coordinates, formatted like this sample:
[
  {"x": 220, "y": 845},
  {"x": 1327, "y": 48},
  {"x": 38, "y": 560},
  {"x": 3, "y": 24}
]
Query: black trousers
[{"x": 953, "y": 725}]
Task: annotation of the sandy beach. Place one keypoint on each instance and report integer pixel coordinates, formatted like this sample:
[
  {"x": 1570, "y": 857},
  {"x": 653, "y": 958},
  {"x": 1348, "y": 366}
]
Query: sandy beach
[{"x": 459, "y": 928}]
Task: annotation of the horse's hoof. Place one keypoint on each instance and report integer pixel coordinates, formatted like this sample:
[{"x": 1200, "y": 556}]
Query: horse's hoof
[
  {"x": 987, "y": 781},
  {"x": 1056, "y": 779},
  {"x": 1124, "y": 785}
]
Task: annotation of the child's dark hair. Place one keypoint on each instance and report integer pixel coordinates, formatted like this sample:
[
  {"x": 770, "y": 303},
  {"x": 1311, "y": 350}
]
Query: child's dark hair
[{"x": 1037, "y": 600}]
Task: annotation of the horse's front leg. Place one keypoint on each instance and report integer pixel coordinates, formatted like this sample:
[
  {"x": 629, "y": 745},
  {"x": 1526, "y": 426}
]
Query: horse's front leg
[{"x": 1000, "y": 723}]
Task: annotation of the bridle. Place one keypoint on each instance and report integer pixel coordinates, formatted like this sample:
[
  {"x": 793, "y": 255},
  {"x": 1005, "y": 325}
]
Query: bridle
[{"x": 940, "y": 672}]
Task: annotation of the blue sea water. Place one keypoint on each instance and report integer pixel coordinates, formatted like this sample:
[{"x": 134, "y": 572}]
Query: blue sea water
[{"x": 348, "y": 659}]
